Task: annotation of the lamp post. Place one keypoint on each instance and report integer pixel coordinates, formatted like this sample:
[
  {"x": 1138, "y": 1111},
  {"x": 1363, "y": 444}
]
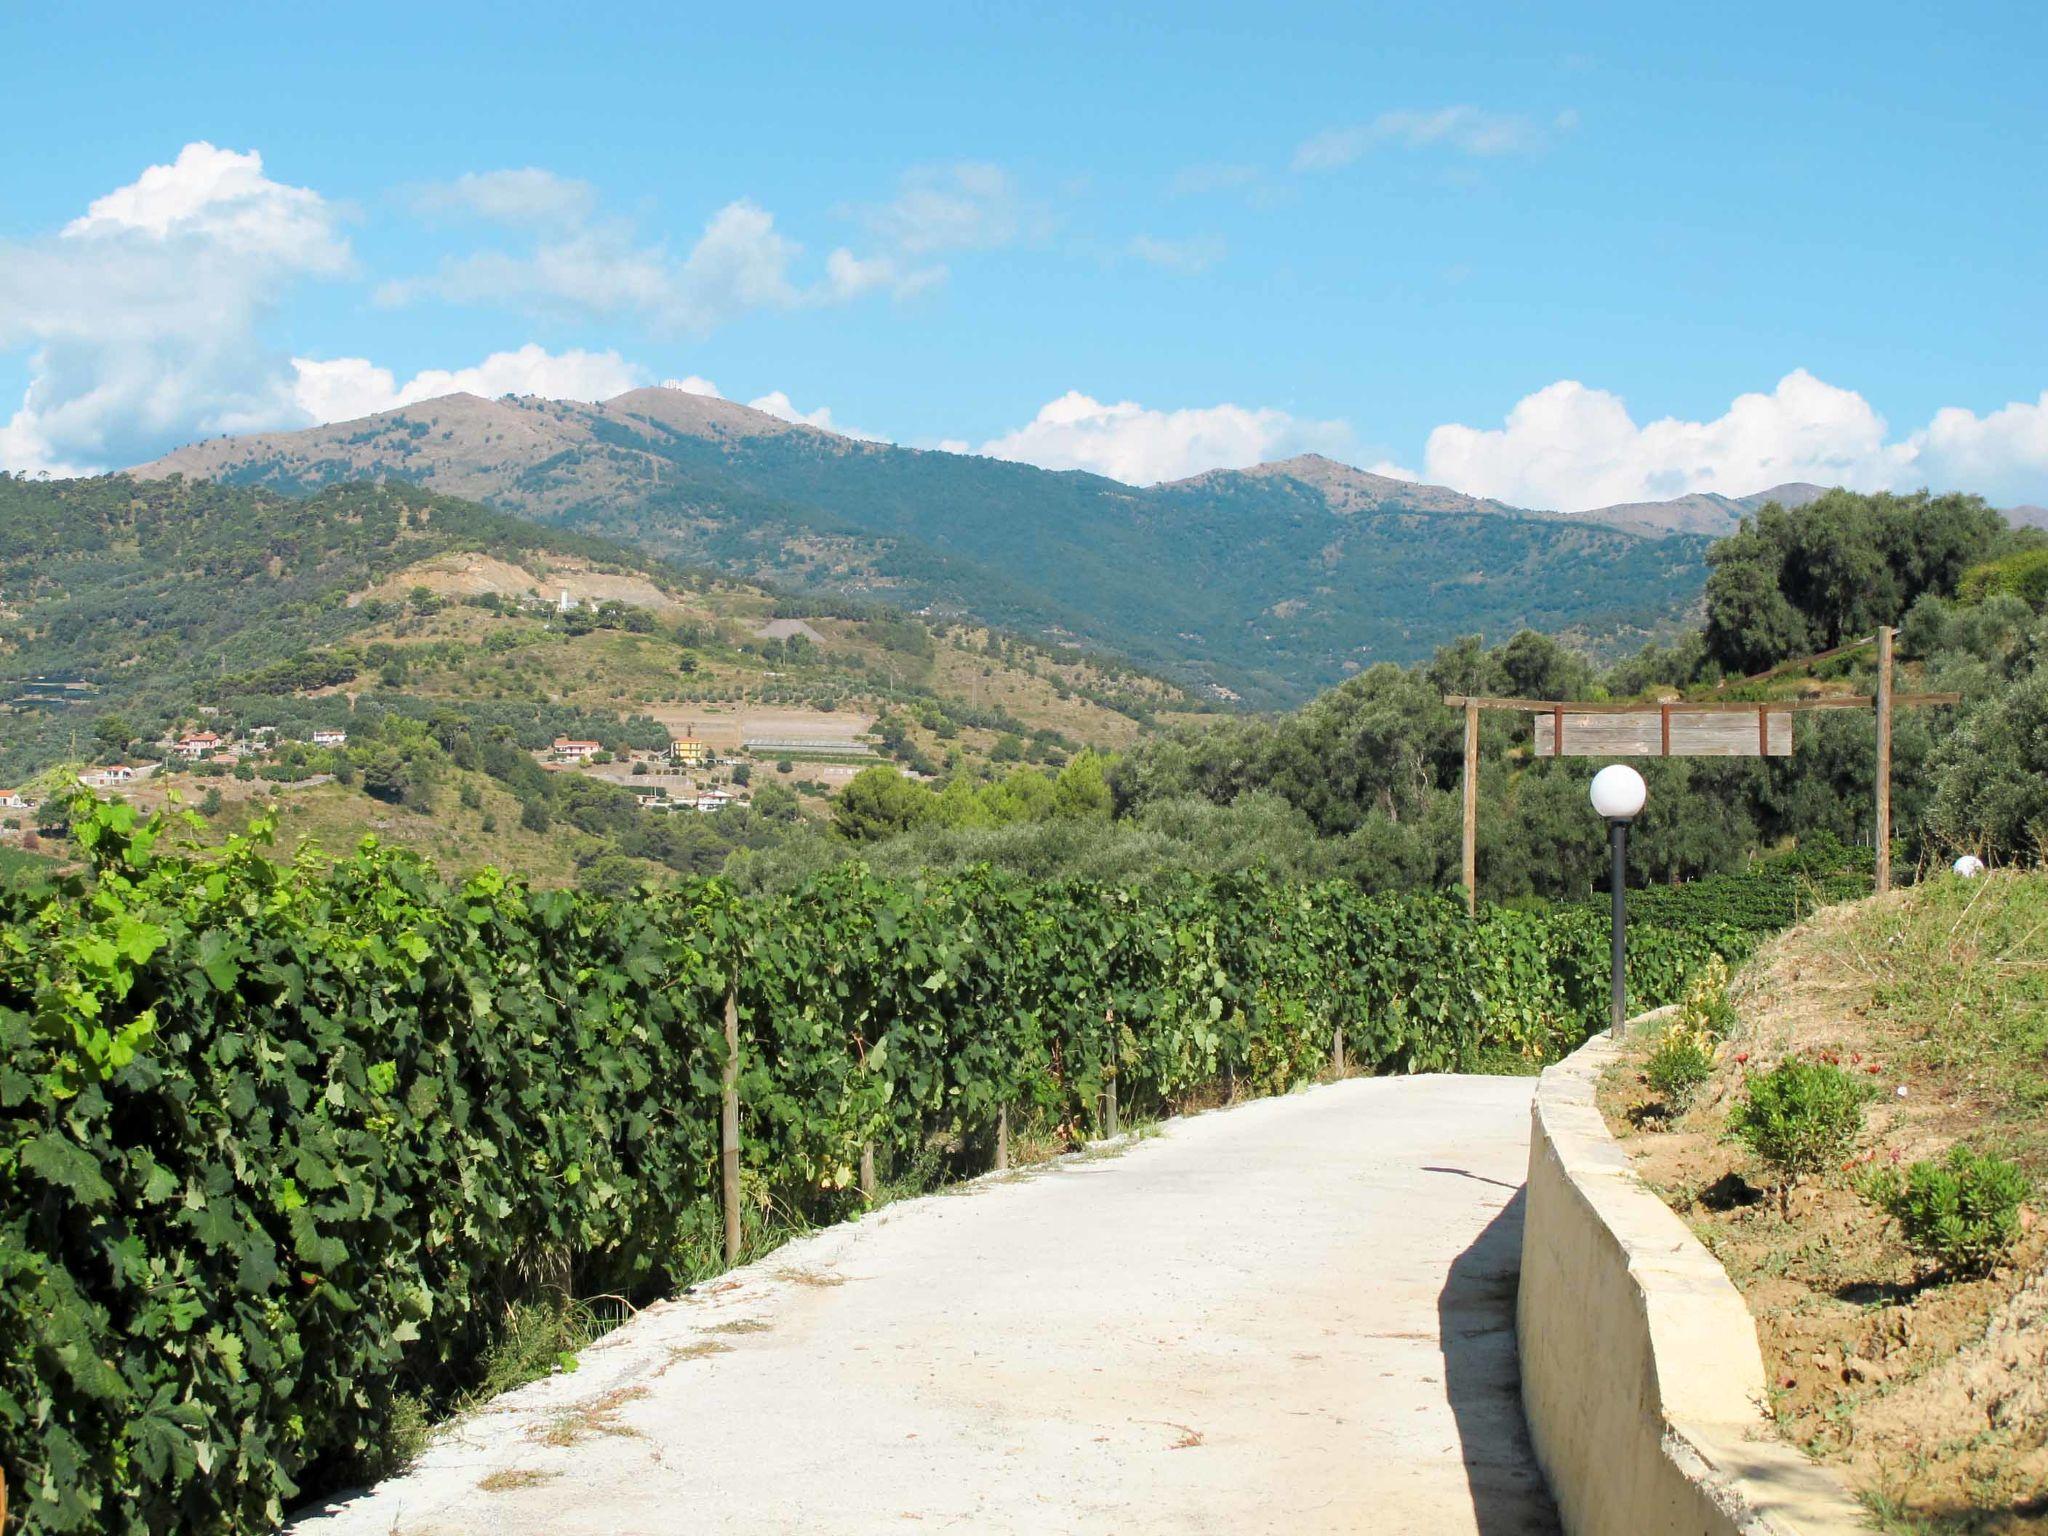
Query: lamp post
[{"x": 1618, "y": 795}]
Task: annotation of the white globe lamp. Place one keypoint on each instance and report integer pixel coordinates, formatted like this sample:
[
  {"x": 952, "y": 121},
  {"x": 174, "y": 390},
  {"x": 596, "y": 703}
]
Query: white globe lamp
[
  {"x": 1969, "y": 866},
  {"x": 1619, "y": 792},
  {"x": 1618, "y": 795}
]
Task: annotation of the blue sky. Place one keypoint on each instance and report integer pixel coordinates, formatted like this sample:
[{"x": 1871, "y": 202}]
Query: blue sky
[{"x": 1563, "y": 254}]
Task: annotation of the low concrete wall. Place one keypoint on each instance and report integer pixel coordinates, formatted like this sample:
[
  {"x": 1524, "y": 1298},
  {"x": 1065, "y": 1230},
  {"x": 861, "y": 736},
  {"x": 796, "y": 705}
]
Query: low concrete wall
[{"x": 1640, "y": 1369}]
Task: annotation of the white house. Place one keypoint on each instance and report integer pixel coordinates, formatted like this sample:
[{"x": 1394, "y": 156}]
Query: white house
[
  {"x": 12, "y": 800},
  {"x": 713, "y": 800},
  {"x": 330, "y": 738},
  {"x": 568, "y": 751},
  {"x": 193, "y": 748},
  {"x": 119, "y": 773}
]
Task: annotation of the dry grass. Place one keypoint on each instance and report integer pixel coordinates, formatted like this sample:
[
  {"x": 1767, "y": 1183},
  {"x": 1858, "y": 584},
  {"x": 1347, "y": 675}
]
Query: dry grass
[
  {"x": 511, "y": 1479},
  {"x": 742, "y": 1325},
  {"x": 702, "y": 1349},
  {"x": 817, "y": 1278},
  {"x": 599, "y": 1416}
]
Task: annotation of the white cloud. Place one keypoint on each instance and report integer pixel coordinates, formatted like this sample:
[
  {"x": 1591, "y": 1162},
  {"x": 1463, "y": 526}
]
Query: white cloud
[
  {"x": 601, "y": 267},
  {"x": 778, "y": 404},
  {"x": 344, "y": 388},
  {"x": 1195, "y": 254},
  {"x": 740, "y": 262},
  {"x": 967, "y": 205},
  {"x": 222, "y": 199},
  {"x": 694, "y": 385},
  {"x": 848, "y": 276},
  {"x": 584, "y": 264},
  {"x": 1128, "y": 442},
  {"x": 2002, "y": 455},
  {"x": 528, "y": 195},
  {"x": 1571, "y": 447},
  {"x": 1468, "y": 130},
  {"x": 144, "y": 312}
]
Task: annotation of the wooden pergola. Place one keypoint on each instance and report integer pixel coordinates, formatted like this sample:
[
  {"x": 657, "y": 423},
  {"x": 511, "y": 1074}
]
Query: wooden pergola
[{"x": 1691, "y": 728}]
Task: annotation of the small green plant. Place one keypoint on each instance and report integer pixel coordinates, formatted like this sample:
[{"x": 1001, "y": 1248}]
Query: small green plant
[
  {"x": 1679, "y": 1065},
  {"x": 1962, "y": 1213},
  {"x": 1683, "y": 1058},
  {"x": 1799, "y": 1118},
  {"x": 1705, "y": 1009}
]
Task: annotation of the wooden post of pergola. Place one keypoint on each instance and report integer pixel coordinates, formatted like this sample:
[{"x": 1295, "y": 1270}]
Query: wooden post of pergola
[
  {"x": 1884, "y": 759},
  {"x": 1687, "y": 728}
]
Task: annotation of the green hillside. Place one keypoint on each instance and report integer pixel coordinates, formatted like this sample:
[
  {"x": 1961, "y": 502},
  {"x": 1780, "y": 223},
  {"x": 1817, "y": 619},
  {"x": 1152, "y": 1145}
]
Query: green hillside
[
  {"x": 142, "y": 593},
  {"x": 1269, "y": 583},
  {"x": 433, "y": 632},
  {"x": 1251, "y": 583}
]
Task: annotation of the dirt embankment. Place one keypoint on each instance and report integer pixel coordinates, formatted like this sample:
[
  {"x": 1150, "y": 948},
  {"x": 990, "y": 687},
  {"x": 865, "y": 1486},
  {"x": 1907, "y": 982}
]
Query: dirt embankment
[{"x": 1929, "y": 1391}]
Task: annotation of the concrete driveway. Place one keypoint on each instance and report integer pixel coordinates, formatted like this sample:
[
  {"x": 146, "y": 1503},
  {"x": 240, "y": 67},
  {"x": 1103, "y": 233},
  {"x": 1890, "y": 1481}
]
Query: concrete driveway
[{"x": 1295, "y": 1315}]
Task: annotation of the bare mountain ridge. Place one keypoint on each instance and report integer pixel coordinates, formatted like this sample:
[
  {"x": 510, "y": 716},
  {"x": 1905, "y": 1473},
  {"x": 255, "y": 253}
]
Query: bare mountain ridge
[
  {"x": 502, "y": 450},
  {"x": 1347, "y": 489},
  {"x": 1702, "y": 512},
  {"x": 465, "y": 445}
]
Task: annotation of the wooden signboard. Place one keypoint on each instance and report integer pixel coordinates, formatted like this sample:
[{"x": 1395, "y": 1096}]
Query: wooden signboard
[
  {"x": 1665, "y": 731},
  {"x": 1690, "y": 728}
]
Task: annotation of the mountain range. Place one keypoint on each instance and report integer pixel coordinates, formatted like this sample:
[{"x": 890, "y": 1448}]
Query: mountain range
[{"x": 1264, "y": 583}]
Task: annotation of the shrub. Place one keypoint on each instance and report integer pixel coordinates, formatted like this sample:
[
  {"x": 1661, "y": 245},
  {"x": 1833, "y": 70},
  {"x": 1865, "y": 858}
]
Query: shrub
[
  {"x": 1962, "y": 1213},
  {"x": 1705, "y": 1009},
  {"x": 1681, "y": 1062},
  {"x": 1798, "y": 1118}
]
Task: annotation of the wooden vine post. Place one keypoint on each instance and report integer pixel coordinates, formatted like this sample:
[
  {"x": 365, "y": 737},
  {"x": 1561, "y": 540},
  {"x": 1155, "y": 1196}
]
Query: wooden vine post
[
  {"x": 1884, "y": 758},
  {"x": 1003, "y": 1138},
  {"x": 867, "y": 1172},
  {"x": 1471, "y": 847},
  {"x": 1109, "y": 1094},
  {"x": 729, "y": 1125}
]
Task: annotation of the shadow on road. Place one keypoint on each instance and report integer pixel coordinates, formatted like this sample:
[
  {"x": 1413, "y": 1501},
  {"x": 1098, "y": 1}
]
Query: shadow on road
[{"x": 1476, "y": 1327}]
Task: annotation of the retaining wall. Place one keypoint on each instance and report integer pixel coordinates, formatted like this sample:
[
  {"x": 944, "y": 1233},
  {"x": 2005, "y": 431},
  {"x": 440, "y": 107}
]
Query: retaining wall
[{"x": 1641, "y": 1375}]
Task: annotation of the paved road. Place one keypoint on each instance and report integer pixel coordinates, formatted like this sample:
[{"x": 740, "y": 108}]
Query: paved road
[{"x": 1291, "y": 1316}]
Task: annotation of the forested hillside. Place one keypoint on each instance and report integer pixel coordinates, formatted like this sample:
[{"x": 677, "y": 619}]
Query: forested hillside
[
  {"x": 1268, "y": 583},
  {"x": 154, "y": 586}
]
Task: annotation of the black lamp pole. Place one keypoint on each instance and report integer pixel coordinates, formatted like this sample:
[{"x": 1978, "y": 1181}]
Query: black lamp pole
[{"x": 1617, "y": 843}]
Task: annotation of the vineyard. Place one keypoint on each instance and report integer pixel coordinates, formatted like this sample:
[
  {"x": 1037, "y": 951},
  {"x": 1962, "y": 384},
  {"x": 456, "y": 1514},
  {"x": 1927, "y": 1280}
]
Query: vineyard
[{"x": 282, "y": 1145}]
